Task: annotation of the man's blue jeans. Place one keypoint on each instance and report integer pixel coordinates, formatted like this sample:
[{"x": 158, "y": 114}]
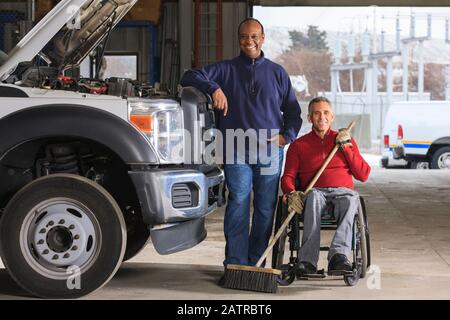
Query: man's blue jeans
[{"x": 244, "y": 247}]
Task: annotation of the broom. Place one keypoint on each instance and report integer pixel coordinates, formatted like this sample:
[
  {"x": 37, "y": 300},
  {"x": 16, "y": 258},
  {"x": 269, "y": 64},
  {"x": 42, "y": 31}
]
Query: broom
[{"x": 256, "y": 278}]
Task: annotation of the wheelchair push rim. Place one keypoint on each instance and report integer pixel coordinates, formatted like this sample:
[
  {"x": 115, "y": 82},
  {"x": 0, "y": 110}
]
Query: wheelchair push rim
[{"x": 359, "y": 251}]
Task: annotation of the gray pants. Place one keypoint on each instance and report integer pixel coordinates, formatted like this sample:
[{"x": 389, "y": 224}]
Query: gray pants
[{"x": 318, "y": 203}]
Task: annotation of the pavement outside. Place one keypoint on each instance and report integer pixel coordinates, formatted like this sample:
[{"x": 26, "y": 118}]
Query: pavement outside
[{"x": 409, "y": 222}]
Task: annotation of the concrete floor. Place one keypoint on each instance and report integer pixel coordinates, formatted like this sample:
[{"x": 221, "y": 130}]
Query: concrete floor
[{"x": 409, "y": 220}]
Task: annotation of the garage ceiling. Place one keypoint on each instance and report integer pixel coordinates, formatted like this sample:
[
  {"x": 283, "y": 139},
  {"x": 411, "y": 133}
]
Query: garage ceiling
[{"x": 335, "y": 3}]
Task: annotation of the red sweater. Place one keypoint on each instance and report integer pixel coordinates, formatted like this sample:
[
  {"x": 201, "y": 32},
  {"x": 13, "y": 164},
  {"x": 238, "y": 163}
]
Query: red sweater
[{"x": 306, "y": 154}]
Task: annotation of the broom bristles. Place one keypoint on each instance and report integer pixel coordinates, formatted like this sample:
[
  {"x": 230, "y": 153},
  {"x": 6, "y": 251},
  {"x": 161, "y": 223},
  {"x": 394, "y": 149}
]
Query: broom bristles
[{"x": 251, "y": 278}]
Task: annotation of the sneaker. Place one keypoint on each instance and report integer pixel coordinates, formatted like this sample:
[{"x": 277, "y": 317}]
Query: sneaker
[
  {"x": 339, "y": 262},
  {"x": 305, "y": 267}
]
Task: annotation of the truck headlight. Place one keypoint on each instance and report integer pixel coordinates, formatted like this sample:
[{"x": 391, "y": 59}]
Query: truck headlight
[{"x": 162, "y": 122}]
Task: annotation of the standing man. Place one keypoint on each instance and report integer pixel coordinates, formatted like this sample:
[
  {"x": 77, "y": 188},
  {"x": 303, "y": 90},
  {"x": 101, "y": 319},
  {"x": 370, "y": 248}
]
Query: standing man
[
  {"x": 334, "y": 187},
  {"x": 252, "y": 93}
]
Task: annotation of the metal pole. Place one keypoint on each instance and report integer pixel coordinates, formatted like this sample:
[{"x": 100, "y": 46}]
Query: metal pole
[
  {"x": 374, "y": 47},
  {"x": 412, "y": 26},
  {"x": 421, "y": 71},
  {"x": 333, "y": 86},
  {"x": 389, "y": 89},
  {"x": 351, "y": 80},
  {"x": 32, "y": 10},
  {"x": 447, "y": 38},
  {"x": 338, "y": 82},
  {"x": 375, "y": 105},
  {"x": 389, "y": 83},
  {"x": 369, "y": 97},
  {"x": 405, "y": 58}
]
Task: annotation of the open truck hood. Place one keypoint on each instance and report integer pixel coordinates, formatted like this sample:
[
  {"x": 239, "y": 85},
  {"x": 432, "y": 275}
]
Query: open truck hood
[{"x": 68, "y": 33}]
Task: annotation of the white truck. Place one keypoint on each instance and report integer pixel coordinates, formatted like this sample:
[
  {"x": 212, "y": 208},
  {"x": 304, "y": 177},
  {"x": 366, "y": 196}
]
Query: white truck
[
  {"x": 391, "y": 131},
  {"x": 423, "y": 133},
  {"x": 86, "y": 179}
]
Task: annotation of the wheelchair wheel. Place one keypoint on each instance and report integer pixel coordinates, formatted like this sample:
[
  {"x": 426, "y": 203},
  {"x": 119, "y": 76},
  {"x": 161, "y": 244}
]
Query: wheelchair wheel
[
  {"x": 278, "y": 248},
  {"x": 287, "y": 275},
  {"x": 352, "y": 280},
  {"x": 361, "y": 244},
  {"x": 366, "y": 225},
  {"x": 360, "y": 251}
]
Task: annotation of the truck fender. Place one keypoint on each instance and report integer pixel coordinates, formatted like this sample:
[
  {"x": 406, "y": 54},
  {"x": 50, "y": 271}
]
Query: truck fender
[
  {"x": 76, "y": 121},
  {"x": 442, "y": 141}
]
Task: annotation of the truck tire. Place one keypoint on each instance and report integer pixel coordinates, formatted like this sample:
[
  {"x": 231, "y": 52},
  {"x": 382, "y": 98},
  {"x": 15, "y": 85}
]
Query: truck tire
[
  {"x": 421, "y": 165},
  {"x": 137, "y": 239},
  {"x": 441, "y": 158},
  {"x": 62, "y": 236}
]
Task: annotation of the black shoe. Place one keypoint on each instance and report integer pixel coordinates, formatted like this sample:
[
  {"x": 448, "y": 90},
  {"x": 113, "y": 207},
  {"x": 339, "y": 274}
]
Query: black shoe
[
  {"x": 304, "y": 267},
  {"x": 339, "y": 263}
]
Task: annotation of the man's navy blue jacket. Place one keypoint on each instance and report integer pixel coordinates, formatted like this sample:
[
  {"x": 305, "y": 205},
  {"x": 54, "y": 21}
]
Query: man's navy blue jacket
[{"x": 259, "y": 94}]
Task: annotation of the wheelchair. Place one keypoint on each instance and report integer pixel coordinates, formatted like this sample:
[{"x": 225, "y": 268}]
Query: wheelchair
[{"x": 289, "y": 270}]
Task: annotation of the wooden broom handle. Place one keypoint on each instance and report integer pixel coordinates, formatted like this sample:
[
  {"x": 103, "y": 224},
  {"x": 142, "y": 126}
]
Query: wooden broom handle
[
  {"x": 327, "y": 161},
  {"x": 292, "y": 214},
  {"x": 275, "y": 238}
]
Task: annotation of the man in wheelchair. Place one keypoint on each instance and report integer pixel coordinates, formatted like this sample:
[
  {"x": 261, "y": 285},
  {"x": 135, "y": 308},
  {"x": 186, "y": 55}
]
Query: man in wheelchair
[{"x": 334, "y": 189}]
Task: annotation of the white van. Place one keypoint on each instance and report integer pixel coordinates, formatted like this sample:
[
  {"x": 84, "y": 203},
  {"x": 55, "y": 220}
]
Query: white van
[
  {"x": 390, "y": 134},
  {"x": 424, "y": 132}
]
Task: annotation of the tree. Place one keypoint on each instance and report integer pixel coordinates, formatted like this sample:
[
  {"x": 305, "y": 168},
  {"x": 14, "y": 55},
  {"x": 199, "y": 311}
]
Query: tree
[
  {"x": 313, "y": 64},
  {"x": 434, "y": 79},
  {"x": 314, "y": 39}
]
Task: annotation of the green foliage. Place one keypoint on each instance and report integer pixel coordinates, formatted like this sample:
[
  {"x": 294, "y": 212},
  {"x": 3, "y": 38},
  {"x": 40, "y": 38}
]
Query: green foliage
[{"x": 314, "y": 39}]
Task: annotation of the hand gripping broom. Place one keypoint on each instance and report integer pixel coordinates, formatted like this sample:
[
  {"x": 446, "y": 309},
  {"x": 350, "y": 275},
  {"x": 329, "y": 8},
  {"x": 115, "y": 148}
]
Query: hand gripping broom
[{"x": 265, "y": 279}]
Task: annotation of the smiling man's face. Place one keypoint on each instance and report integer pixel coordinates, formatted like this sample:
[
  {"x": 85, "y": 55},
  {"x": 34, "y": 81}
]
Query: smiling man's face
[
  {"x": 321, "y": 117},
  {"x": 251, "y": 39}
]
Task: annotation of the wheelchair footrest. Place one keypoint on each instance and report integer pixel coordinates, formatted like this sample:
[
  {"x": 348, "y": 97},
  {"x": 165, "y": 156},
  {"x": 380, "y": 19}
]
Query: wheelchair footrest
[
  {"x": 319, "y": 275},
  {"x": 340, "y": 273}
]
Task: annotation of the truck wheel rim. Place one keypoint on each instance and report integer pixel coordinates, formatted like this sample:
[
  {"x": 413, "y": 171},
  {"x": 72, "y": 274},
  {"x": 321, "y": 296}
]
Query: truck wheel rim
[
  {"x": 423, "y": 165},
  {"x": 444, "y": 161},
  {"x": 60, "y": 236}
]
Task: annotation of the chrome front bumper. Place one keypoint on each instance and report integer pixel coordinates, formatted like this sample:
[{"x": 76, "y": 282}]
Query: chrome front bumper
[{"x": 154, "y": 189}]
